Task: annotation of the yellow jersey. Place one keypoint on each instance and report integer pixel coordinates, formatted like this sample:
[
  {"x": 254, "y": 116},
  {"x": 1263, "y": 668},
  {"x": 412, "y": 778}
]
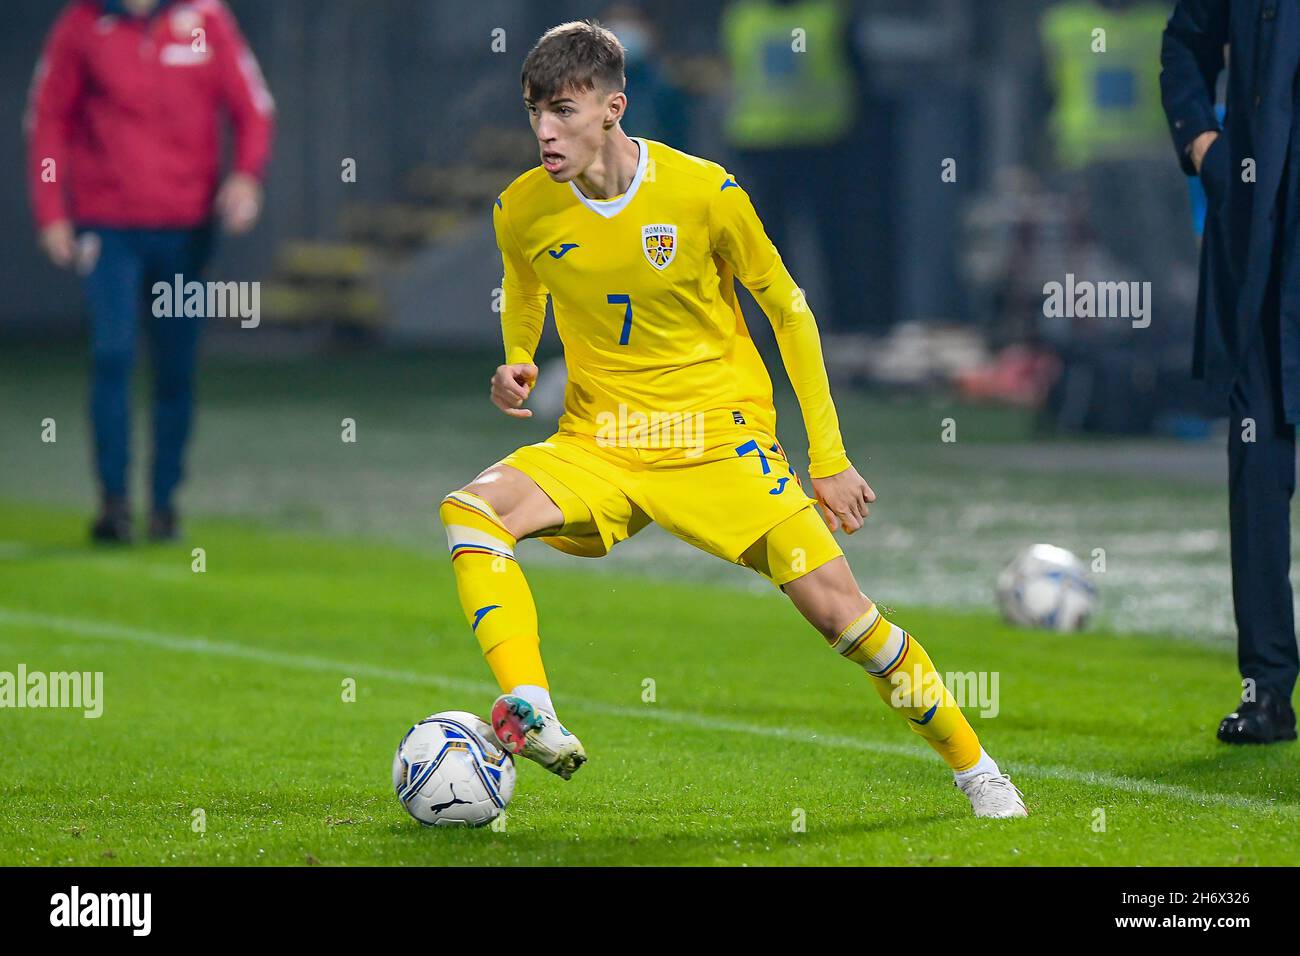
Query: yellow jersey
[{"x": 642, "y": 287}]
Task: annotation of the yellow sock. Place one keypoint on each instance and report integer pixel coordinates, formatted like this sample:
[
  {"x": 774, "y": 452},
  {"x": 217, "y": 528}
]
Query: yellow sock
[
  {"x": 905, "y": 679},
  {"x": 493, "y": 593}
]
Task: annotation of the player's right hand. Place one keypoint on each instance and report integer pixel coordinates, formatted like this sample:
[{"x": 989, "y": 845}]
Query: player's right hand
[
  {"x": 511, "y": 385},
  {"x": 59, "y": 243},
  {"x": 843, "y": 498}
]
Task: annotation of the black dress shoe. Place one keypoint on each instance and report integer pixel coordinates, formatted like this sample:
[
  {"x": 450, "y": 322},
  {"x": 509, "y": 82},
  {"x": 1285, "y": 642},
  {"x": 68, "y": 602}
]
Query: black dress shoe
[
  {"x": 164, "y": 525},
  {"x": 1264, "y": 720},
  {"x": 113, "y": 526}
]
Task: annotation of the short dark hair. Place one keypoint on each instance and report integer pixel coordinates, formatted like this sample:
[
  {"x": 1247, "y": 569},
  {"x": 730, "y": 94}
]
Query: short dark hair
[{"x": 578, "y": 55}]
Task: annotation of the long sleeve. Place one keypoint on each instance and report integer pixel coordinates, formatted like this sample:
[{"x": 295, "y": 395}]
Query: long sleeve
[
  {"x": 53, "y": 104},
  {"x": 739, "y": 238},
  {"x": 1191, "y": 58},
  {"x": 245, "y": 95},
  {"x": 523, "y": 306}
]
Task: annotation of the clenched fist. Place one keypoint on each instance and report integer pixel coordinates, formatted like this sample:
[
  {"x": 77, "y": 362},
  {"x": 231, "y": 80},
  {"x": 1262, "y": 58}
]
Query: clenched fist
[
  {"x": 511, "y": 385},
  {"x": 844, "y": 498}
]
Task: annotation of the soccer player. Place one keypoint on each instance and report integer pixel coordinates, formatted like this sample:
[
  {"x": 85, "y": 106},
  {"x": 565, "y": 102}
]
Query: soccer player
[{"x": 668, "y": 414}]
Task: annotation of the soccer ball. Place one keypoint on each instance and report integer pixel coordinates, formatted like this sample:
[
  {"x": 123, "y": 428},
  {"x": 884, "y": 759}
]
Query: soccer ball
[
  {"x": 450, "y": 770},
  {"x": 1047, "y": 587}
]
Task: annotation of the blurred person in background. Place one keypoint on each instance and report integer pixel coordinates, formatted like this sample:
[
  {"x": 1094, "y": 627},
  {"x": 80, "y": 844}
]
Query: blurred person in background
[
  {"x": 661, "y": 107},
  {"x": 124, "y": 156},
  {"x": 1107, "y": 130},
  {"x": 793, "y": 111},
  {"x": 1247, "y": 340},
  {"x": 1128, "y": 214}
]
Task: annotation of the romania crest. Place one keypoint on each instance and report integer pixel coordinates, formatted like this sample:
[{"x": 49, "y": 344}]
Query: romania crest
[{"x": 660, "y": 244}]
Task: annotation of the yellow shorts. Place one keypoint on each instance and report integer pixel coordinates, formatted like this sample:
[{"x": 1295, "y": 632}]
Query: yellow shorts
[{"x": 739, "y": 499}]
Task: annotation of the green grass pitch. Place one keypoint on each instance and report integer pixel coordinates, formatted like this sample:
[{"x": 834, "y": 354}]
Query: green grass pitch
[{"x": 224, "y": 693}]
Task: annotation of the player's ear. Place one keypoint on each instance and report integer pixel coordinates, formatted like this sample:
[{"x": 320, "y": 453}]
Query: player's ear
[{"x": 616, "y": 107}]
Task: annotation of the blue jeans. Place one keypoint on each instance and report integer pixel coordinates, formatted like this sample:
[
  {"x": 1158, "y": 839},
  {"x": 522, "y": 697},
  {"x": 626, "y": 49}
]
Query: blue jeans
[{"x": 118, "y": 292}]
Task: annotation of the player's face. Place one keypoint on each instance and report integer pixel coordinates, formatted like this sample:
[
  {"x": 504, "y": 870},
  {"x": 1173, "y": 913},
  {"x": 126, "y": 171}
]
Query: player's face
[{"x": 571, "y": 128}]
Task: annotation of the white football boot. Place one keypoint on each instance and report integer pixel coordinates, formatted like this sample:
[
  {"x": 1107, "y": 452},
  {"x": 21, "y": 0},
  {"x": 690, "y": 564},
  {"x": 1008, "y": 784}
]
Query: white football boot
[
  {"x": 993, "y": 795},
  {"x": 537, "y": 735}
]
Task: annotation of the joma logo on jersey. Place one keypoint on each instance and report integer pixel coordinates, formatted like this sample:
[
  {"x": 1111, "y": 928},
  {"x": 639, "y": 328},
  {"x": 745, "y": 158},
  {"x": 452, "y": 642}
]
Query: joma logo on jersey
[{"x": 659, "y": 243}]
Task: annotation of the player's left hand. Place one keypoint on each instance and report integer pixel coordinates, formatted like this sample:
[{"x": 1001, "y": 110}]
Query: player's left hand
[
  {"x": 239, "y": 202},
  {"x": 843, "y": 499}
]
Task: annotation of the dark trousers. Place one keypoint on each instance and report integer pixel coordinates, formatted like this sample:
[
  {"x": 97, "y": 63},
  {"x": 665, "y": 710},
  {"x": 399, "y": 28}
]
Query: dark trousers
[
  {"x": 1261, "y": 481},
  {"x": 118, "y": 291}
]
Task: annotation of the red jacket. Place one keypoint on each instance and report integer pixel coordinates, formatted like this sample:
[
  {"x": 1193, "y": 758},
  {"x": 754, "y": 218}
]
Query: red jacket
[{"x": 123, "y": 120}]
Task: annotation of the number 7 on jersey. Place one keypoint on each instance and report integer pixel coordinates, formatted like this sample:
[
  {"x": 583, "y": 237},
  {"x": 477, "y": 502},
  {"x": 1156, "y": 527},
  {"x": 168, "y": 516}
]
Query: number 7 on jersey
[{"x": 622, "y": 298}]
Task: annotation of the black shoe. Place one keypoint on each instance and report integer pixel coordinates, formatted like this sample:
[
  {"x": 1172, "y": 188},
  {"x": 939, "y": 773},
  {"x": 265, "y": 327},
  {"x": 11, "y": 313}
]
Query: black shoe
[
  {"x": 164, "y": 525},
  {"x": 1266, "y": 719},
  {"x": 113, "y": 526}
]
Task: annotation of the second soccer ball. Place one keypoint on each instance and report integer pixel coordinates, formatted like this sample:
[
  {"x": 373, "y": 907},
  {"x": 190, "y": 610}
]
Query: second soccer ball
[{"x": 1048, "y": 587}]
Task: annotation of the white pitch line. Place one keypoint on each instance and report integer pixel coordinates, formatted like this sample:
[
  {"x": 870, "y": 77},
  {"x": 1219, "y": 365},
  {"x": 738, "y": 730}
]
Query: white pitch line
[{"x": 202, "y": 645}]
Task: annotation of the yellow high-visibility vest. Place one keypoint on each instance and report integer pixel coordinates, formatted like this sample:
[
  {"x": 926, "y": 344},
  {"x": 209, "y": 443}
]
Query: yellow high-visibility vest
[
  {"x": 791, "y": 80},
  {"x": 1107, "y": 103}
]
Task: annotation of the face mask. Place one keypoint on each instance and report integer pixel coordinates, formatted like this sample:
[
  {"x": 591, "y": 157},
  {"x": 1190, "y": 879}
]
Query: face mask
[
  {"x": 139, "y": 10},
  {"x": 635, "y": 40}
]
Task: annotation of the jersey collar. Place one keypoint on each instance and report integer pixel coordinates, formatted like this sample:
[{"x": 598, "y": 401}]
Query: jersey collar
[{"x": 609, "y": 208}]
